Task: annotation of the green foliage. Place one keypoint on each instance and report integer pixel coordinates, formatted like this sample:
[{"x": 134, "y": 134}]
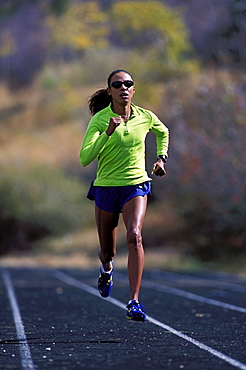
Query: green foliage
[
  {"x": 81, "y": 26},
  {"x": 231, "y": 36},
  {"x": 148, "y": 23},
  {"x": 37, "y": 202},
  {"x": 58, "y": 6},
  {"x": 49, "y": 78},
  {"x": 156, "y": 40},
  {"x": 206, "y": 179},
  {"x": 7, "y": 44},
  {"x": 61, "y": 100},
  {"x": 212, "y": 233},
  {"x": 156, "y": 32}
]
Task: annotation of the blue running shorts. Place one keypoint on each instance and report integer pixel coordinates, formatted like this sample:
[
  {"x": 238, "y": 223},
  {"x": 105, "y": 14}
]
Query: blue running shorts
[{"x": 113, "y": 198}]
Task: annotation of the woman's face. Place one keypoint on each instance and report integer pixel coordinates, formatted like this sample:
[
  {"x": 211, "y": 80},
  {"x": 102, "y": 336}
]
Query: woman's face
[{"x": 122, "y": 95}]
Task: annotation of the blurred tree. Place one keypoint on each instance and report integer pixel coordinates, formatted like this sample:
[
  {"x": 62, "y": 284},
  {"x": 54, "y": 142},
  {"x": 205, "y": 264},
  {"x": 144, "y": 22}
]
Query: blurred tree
[
  {"x": 158, "y": 32},
  {"x": 227, "y": 43},
  {"x": 37, "y": 202},
  {"x": 9, "y": 7},
  {"x": 7, "y": 43},
  {"x": 81, "y": 26},
  {"x": 235, "y": 31},
  {"x": 58, "y": 6},
  {"x": 21, "y": 42},
  {"x": 207, "y": 182}
]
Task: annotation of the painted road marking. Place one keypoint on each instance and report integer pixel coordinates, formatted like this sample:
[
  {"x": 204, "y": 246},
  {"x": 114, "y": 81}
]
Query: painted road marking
[
  {"x": 25, "y": 353},
  {"x": 195, "y": 297},
  {"x": 195, "y": 280},
  {"x": 87, "y": 288},
  {"x": 182, "y": 293}
]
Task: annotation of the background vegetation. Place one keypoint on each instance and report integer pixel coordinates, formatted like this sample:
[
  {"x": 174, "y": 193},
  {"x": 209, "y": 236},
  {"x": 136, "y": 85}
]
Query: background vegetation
[{"x": 55, "y": 54}]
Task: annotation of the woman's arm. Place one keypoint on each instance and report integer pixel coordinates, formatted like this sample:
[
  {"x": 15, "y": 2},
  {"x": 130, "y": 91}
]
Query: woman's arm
[
  {"x": 93, "y": 143},
  {"x": 162, "y": 142}
]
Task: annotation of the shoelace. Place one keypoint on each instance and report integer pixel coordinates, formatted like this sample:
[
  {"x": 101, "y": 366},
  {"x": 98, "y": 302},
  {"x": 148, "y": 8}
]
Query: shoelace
[{"x": 136, "y": 305}]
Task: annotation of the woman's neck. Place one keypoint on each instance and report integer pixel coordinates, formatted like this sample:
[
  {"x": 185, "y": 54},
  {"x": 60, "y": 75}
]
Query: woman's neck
[{"x": 123, "y": 111}]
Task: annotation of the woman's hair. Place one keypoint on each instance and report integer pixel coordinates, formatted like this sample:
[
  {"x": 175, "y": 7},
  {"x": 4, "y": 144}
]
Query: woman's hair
[{"x": 100, "y": 99}]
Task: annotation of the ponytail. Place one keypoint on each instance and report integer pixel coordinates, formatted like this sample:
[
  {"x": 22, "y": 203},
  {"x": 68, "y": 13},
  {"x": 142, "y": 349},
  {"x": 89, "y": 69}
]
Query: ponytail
[{"x": 99, "y": 100}]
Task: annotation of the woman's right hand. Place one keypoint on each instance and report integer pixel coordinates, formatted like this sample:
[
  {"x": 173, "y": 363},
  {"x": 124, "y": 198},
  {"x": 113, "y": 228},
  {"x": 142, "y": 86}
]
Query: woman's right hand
[{"x": 113, "y": 124}]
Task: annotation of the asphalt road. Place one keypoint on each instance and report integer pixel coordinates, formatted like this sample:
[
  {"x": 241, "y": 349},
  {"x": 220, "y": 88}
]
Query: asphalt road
[{"x": 54, "y": 319}]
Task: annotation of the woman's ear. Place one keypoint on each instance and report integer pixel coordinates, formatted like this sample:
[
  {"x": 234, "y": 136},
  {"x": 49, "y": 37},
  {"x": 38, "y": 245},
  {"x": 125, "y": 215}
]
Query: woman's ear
[{"x": 109, "y": 91}]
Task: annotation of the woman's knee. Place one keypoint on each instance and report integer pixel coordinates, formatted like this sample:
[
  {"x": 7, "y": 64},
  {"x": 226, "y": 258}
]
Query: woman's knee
[{"x": 134, "y": 238}]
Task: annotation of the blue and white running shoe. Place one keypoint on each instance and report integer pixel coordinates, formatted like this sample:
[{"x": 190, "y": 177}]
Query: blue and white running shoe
[
  {"x": 105, "y": 282},
  {"x": 135, "y": 311}
]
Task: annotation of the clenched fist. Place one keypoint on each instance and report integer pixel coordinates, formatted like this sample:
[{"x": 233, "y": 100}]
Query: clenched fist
[
  {"x": 158, "y": 168},
  {"x": 113, "y": 124}
]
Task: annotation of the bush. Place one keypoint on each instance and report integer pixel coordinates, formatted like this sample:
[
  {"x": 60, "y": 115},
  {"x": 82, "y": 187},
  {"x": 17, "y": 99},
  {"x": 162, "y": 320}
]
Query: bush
[
  {"x": 213, "y": 234},
  {"x": 206, "y": 170},
  {"x": 38, "y": 202}
]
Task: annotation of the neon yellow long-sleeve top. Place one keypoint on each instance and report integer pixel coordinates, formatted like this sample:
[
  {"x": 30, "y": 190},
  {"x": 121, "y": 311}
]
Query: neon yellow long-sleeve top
[{"x": 121, "y": 156}]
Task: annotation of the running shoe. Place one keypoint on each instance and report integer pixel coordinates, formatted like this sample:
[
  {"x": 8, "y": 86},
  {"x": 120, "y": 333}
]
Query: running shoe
[
  {"x": 135, "y": 311},
  {"x": 105, "y": 283}
]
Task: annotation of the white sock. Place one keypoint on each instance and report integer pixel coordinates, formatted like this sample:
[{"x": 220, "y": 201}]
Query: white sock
[{"x": 106, "y": 272}]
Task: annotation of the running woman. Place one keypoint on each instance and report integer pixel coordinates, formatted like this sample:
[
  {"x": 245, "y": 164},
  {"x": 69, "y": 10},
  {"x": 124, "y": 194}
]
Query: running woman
[{"x": 115, "y": 136}]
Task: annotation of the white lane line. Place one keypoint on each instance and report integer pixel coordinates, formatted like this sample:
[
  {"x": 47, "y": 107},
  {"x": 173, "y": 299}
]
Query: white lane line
[
  {"x": 195, "y": 297},
  {"x": 196, "y": 280},
  {"x": 25, "y": 353},
  {"x": 214, "y": 352},
  {"x": 183, "y": 293},
  {"x": 87, "y": 288}
]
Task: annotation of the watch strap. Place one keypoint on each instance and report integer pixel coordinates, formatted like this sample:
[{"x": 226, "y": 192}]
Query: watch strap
[{"x": 163, "y": 157}]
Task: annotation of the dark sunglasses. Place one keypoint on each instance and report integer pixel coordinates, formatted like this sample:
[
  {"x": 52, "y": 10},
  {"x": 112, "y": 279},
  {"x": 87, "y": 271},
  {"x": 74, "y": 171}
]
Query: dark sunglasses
[{"x": 118, "y": 84}]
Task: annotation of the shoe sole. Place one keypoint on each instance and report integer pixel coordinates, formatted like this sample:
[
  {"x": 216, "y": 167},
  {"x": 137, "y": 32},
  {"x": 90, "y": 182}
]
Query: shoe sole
[{"x": 138, "y": 317}]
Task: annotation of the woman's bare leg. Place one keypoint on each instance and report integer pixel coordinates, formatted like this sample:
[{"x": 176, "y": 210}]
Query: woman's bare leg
[
  {"x": 133, "y": 215},
  {"x": 107, "y": 223}
]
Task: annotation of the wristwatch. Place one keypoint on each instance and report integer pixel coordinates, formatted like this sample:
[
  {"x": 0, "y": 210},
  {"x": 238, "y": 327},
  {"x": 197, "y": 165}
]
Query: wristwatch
[{"x": 163, "y": 157}]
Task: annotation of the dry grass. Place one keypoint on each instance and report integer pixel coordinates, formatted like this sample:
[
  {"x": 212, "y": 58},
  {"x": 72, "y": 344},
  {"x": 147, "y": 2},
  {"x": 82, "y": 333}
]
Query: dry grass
[{"x": 79, "y": 250}]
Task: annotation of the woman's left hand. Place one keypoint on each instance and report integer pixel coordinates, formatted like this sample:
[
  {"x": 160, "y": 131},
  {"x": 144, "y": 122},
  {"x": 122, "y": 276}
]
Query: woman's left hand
[{"x": 158, "y": 168}]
